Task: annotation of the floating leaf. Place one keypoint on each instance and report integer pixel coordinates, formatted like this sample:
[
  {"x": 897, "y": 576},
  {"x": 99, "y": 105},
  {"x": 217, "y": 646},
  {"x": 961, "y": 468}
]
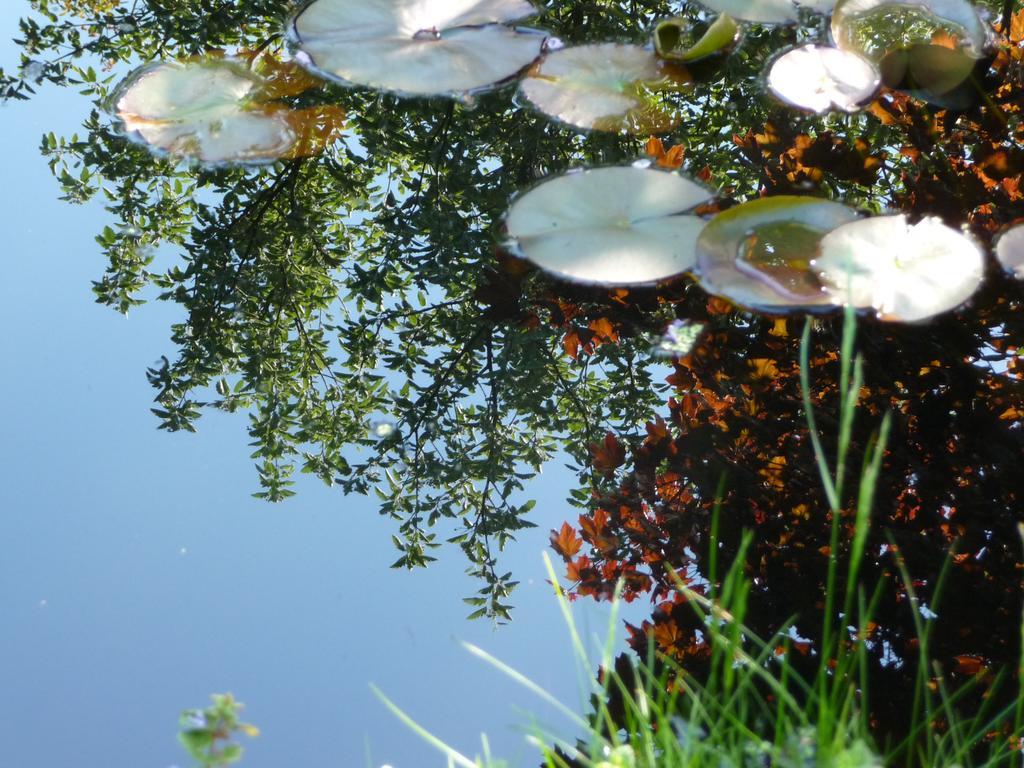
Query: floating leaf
[
  {"x": 429, "y": 47},
  {"x": 930, "y": 68},
  {"x": 607, "y": 87},
  {"x": 1010, "y": 250},
  {"x": 672, "y": 38},
  {"x": 875, "y": 27},
  {"x": 203, "y": 110},
  {"x": 767, "y": 11},
  {"x": 759, "y": 254},
  {"x": 929, "y": 46},
  {"x": 821, "y": 78},
  {"x": 618, "y": 225},
  {"x": 907, "y": 272}
]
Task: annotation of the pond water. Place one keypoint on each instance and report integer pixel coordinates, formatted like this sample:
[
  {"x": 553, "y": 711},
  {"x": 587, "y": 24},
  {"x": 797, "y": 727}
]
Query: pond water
[
  {"x": 497, "y": 322},
  {"x": 140, "y": 576}
]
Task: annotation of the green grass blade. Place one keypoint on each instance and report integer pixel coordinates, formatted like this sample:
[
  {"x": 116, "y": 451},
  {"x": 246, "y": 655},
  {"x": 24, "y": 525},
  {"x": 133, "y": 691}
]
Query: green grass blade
[
  {"x": 454, "y": 757},
  {"x": 526, "y": 682}
]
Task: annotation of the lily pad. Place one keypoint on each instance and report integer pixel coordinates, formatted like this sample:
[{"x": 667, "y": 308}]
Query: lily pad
[
  {"x": 203, "y": 110},
  {"x": 607, "y": 87},
  {"x": 1010, "y": 250},
  {"x": 926, "y": 69},
  {"x": 876, "y": 27},
  {"x": 759, "y": 254},
  {"x": 821, "y": 79},
  {"x": 907, "y": 272},
  {"x": 426, "y": 47},
  {"x": 677, "y": 40},
  {"x": 928, "y": 46},
  {"x": 767, "y": 11},
  {"x": 612, "y": 226}
]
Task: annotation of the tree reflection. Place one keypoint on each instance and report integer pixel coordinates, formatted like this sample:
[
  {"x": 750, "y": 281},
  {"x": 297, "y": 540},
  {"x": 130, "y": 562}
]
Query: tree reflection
[{"x": 323, "y": 294}]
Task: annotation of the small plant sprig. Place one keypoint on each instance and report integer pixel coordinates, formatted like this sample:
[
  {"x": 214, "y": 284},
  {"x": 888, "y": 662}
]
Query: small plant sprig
[{"x": 207, "y": 734}]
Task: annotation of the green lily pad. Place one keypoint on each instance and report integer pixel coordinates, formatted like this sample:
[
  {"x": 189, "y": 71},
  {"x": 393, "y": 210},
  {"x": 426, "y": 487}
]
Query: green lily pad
[
  {"x": 930, "y": 69},
  {"x": 759, "y": 254},
  {"x": 673, "y": 38},
  {"x": 610, "y": 226},
  {"x": 876, "y": 27},
  {"x": 607, "y": 87},
  {"x": 926, "y": 46}
]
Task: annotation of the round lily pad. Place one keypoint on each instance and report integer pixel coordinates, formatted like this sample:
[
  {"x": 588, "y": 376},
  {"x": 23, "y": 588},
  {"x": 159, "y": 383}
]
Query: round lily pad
[
  {"x": 822, "y": 79},
  {"x": 607, "y": 87},
  {"x": 1010, "y": 250},
  {"x": 430, "y": 47},
  {"x": 875, "y": 27},
  {"x": 907, "y": 272},
  {"x": 928, "y": 72},
  {"x": 927, "y": 46},
  {"x": 202, "y": 110},
  {"x": 759, "y": 254},
  {"x": 767, "y": 11},
  {"x": 612, "y": 226}
]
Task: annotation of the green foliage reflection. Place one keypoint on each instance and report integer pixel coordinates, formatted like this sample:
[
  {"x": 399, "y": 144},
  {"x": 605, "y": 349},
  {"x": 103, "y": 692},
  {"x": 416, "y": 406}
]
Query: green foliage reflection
[{"x": 320, "y": 295}]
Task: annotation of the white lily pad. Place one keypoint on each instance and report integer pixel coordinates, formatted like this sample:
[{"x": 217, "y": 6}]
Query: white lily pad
[
  {"x": 202, "y": 110},
  {"x": 822, "y": 79},
  {"x": 416, "y": 47},
  {"x": 612, "y": 226},
  {"x": 907, "y": 272},
  {"x": 768, "y": 11},
  {"x": 1010, "y": 250},
  {"x": 759, "y": 254},
  {"x": 607, "y": 87}
]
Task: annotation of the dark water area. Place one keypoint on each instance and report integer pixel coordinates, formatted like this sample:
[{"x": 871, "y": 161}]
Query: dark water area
[{"x": 363, "y": 305}]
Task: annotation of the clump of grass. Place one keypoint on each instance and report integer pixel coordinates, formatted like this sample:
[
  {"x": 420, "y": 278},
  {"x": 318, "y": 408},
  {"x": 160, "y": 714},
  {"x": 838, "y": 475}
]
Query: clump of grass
[{"x": 752, "y": 709}]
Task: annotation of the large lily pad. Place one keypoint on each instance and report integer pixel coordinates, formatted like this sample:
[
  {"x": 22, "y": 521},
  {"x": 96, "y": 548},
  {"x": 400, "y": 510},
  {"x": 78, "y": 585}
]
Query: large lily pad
[
  {"x": 875, "y": 27},
  {"x": 416, "y": 47},
  {"x": 612, "y": 226},
  {"x": 822, "y": 79},
  {"x": 759, "y": 254},
  {"x": 607, "y": 87},
  {"x": 907, "y": 272},
  {"x": 928, "y": 46},
  {"x": 203, "y": 110}
]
